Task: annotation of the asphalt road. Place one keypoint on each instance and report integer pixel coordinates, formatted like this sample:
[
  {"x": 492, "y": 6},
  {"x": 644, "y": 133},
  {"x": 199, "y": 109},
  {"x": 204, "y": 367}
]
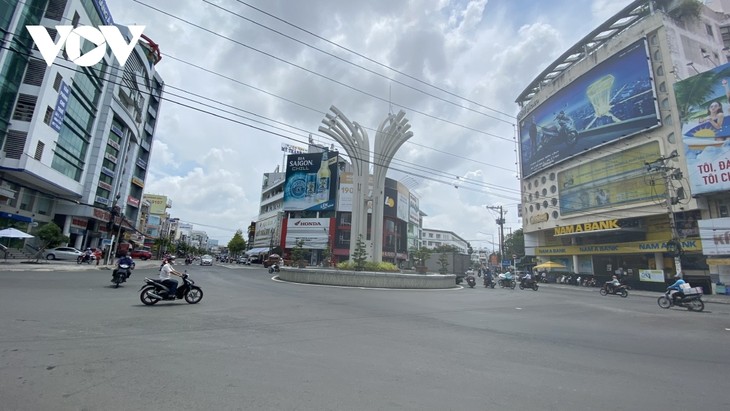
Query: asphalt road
[{"x": 71, "y": 342}]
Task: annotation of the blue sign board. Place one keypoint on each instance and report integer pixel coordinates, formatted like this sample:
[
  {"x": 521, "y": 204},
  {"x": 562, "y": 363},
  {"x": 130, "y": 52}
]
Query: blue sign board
[{"x": 61, "y": 102}]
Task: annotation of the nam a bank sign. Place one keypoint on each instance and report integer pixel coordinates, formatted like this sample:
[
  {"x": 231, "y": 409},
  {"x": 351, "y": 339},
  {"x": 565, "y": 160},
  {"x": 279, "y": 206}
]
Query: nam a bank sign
[
  {"x": 607, "y": 225},
  {"x": 638, "y": 247}
]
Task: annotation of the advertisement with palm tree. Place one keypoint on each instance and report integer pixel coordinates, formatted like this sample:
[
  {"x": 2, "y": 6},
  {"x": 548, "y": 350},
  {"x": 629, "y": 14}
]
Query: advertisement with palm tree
[{"x": 702, "y": 101}]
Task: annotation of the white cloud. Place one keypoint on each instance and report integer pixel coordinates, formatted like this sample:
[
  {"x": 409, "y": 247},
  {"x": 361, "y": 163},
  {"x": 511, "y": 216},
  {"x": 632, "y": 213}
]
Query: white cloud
[{"x": 211, "y": 168}]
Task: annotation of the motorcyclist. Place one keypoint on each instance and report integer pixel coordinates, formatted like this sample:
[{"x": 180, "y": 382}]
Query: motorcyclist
[
  {"x": 675, "y": 290},
  {"x": 488, "y": 276},
  {"x": 165, "y": 278},
  {"x": 526, "y": 279},
  {"x": 612, "y": 284},
  {"x": 125, "y": 259},
  {"x": 507, "y": 278},
  {"x": 87, "y": 255}
]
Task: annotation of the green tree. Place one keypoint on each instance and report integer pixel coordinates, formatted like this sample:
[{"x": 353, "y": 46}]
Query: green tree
[
  {"x": 298, "y": 253},
  {"x": 51, "y": 236},
  {"x": 360, "y": 255},
  {"x": 327, "y": 255},
  {"x": 237, "y": 243},
  {"x": 444, "y": 263},
  {"x": 419, "y": 256},
  {"x": 514, "y": 244}
]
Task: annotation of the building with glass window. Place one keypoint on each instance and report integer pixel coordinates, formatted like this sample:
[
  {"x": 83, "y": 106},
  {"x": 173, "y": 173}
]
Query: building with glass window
[
  {"x": 613, "y": 137},
  {"x": 75, "y": 141}
]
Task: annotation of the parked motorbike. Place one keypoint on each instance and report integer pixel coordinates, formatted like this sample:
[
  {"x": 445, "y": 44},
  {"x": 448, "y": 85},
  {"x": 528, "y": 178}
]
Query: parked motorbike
[
  {"x": 692, "y": 302},
  {"x": 471, "y": 281},
  {"x": 154, "y": 291},
  {"x": 618, "y": 290},
  {"x": 121, "y": 273},
  {"x": 489, "y": 282},
  {"x": 273, "y": 268},
  {"x": 524, "y": 283}
]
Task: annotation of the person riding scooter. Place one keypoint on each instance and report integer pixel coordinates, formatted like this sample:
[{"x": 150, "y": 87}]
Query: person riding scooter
[
  {"x": 675, "y": 290},
  {"x": 125, "y": 260}
]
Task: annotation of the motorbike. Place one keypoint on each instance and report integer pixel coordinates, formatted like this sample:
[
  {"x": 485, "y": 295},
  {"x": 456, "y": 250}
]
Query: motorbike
[
  {"x": 692, "y": 302},
  {"x": 188, "y": 260},
  {"x": 85, "y": 259},
  {"x": 273, "y": 268},
  {"x": 524, "y": 283},
  {"x": 471, "y": 281},
  {"x": 561, "y": 130},
  {"x": 489, "y": 282},
  {"x": 617, "y": 290},
  {"x": 506, "y": 282},
  {"x": 153, "y": 291},
  {"x": 121, "y": 273}
]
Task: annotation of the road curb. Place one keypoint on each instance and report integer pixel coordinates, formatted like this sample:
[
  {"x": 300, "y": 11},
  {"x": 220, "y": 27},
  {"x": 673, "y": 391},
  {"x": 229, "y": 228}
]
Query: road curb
[{"x": 706, "y": 298}]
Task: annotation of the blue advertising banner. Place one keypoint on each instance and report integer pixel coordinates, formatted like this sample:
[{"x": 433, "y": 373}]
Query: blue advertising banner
[
  {"x": 614, "y": 100},
  {"x": 61, "y": 102},
  {"x": 702, "y": 101},
  {"x": 311, "y": 182}
]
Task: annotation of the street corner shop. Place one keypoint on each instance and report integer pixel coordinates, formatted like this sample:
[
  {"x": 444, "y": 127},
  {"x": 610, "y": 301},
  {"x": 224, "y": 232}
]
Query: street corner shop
[{"x": 626, "y": 247}]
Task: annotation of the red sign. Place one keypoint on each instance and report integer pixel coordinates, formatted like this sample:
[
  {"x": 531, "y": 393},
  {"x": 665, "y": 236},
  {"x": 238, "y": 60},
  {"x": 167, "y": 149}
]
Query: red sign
[{"x": 77, "y": 222}]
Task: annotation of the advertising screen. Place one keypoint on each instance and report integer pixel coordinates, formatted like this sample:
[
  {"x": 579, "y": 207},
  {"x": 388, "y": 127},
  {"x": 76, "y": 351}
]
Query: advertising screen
[
  {"x": 702, "y": 101},
  {"x": 614, "y": 100},
  {"x": 311, "y": 182},
  {"x": 619, "y": 178}
]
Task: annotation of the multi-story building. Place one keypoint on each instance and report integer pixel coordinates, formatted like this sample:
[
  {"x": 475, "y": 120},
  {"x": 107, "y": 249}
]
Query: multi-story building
[
  {"x": 436, "y": 238},
  {"x": 292, "y": 210},
  {"x": 76, "y": 141},
  {"x": 608, "y": 176}
]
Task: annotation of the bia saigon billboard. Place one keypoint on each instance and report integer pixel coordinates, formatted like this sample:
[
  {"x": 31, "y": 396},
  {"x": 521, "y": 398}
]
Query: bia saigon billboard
[
  {"x": 615, "y": 99},
  {"x": 311, "y": 182}
]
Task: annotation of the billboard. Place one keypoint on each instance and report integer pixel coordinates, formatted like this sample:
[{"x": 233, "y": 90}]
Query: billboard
[
  {"x": 310, "y": 182},
  {"x": 702, "y": 101},
  {"x": 390, "y": 202},
  {"x": 158, "y": 203},
  {"x": 613, "y": 100},
  {"x": 413, "y": 214},
  {"x": 313, "y": 232},
  {"x": 619, "y": 178},
  {"x": 715, "y": 235},
  {"x": 402, "y": 203}
]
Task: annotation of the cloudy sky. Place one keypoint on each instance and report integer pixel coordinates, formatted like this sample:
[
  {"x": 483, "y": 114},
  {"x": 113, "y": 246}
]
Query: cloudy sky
[{"x": 244, "y": 76}]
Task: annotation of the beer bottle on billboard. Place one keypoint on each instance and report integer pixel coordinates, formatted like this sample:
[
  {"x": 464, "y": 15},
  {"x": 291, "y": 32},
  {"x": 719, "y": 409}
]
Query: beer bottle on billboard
[{"x": 323, "y": 179}]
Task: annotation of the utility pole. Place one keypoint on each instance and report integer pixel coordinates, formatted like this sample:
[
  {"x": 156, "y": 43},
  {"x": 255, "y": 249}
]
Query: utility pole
[
  {"x": 500, "y": 223},
  {"x": 669, "y": 173}
]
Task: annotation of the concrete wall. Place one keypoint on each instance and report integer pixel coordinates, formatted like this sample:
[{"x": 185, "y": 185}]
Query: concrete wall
[{"x": 366, "y": 279}]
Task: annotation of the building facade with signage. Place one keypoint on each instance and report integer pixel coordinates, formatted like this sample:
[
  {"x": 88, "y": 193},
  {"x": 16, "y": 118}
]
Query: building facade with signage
[
  {"x": 76, "y": 141},
  {"x": 311, "y": 202},
  {"x": 613, "y": 138}
]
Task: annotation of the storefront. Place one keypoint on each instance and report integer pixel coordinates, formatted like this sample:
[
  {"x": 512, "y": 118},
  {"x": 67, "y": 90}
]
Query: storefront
[{"x": 626, "y": 247}]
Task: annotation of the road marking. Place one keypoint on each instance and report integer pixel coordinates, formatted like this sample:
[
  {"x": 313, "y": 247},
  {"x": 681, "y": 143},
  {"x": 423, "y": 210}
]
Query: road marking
[{"x": 518, "y": 308}]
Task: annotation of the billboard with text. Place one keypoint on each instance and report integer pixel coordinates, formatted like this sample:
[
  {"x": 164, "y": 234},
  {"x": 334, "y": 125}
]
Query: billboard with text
[
  {"x": 703, "y": 101},
  {"x": 615, "y": 99}
]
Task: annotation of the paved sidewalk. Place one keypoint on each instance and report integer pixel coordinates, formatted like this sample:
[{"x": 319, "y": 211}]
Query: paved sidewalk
[
  {"x": 707, "y": 298},
  {"x": 63, "y": 265}
]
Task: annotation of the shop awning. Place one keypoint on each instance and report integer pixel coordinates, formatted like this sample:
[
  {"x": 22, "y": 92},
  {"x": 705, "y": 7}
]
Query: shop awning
[{"x": 256, "y": 251}]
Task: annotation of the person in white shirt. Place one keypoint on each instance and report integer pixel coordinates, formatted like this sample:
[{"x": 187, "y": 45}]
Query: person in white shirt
[{"x": 166, "y": 271}]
